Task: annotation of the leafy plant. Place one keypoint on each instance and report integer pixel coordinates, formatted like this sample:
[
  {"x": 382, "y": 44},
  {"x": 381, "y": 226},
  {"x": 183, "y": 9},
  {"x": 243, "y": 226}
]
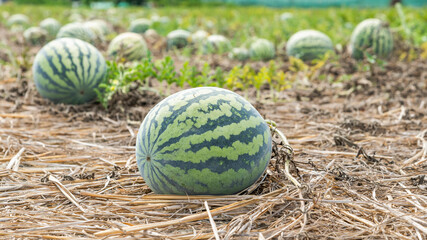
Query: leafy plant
[{"x": 166, "y": 72}]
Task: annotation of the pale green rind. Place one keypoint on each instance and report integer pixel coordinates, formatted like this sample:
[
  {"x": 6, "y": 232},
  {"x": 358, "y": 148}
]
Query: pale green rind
[
  {"x": 35, "y": 36},
  {"x": 77, "y": 30},
  {"x": 130, "y": 46},
  {"x": 216, "y": 44},
  {"x": 177, "y": 38},
  {"x": 372, "y": 36},
  {"x": 51, "y": 25},
  {"x": 262, "y": 49},
  {"x": 139, "y": 25},
  {"x": 309, "y": 45}
]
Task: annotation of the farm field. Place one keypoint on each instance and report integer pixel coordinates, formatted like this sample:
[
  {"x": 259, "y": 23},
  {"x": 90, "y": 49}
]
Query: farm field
[{"x": 358, "y": 130}]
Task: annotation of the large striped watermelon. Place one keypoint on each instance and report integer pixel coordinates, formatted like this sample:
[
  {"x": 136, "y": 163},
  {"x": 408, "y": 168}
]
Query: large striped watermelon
[
  {"x": 130, "y": 46},
  {"x": 67, "y": 70},
  {"x": 309, "y": 45},
  {"x": 202, "y": 141},
  {"x": 372, "y": 36}
]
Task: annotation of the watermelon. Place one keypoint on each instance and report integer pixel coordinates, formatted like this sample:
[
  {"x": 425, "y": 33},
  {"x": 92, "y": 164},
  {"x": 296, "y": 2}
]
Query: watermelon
[
  {"x": 68, "y": 70},
  {"x": 51, "y": 25},
  {"x": 177, "y": 38},
  {"x": 216, "y": 44},
  {"x": 371, "y": 36},
  {"x": 130, "y": 46},
  {"x": 75, "y": 17},
  {"x": 262, "y": 49},
  {"x": 202, "y": 141},
  {"x": 156, "y": 19},
  {"x": 286, "y": 16},
  {"x": 77, "y": 30},
  {"x": 35, "y": 35},
  {"x": 103, "y": 25},
  {"x": 309, "y": 45},
  {"x": 241, "y": 54},
  {"x": 18, "y": 20},
  {"x": 199, "y": 37},
  {"x": 139, "y": 25},
  {"x": 151, "y": 34},
  {"x": 99, "y": 27}
]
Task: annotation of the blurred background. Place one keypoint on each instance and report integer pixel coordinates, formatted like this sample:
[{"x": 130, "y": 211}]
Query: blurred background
[{"x": 269, "y": 3}]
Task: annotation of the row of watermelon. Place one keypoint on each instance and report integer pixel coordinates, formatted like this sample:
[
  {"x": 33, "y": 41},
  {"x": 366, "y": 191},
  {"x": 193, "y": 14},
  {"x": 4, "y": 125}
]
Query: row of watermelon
[{"x": 371, "y": 35}]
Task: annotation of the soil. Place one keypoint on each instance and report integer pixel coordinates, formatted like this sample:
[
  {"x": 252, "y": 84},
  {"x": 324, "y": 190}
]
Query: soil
[{"x": 359, "y": 151}]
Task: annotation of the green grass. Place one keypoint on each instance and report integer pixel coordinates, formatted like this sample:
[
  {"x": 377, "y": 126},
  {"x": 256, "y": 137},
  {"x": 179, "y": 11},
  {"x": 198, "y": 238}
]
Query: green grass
[{"x": 241, "y": 23}]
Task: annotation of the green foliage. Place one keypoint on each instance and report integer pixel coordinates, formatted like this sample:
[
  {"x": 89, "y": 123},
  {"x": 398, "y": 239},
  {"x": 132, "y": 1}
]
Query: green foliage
[
  {"x": 186, "y": 3},
  {"x": 166, "y": 72},
  {"x": 44, "y": 2},
  {"x": 119, "y": 77}
]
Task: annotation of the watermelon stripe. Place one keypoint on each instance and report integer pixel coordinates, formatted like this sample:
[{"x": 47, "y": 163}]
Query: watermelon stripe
[
  {"x": 56, "y": 73},
  {"x": 309, "y": 45},
  {"x": 216, "y": 164},
  {"x": 74, "y": 68},
  {"x": 206, "y": 133},
  {"x": 209, "y": 126},
  {"x": 177, "y": 119},
  {"x": 167, "y": 184},
  {"x": 56, "y": 87},
  {"x": 373, "y": 36},
  {"x": 228, "y": 133}
]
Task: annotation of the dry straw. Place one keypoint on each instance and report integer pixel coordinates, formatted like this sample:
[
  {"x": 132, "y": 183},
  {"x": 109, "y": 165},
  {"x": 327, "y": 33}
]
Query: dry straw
[{"x": 64, "y": 179}]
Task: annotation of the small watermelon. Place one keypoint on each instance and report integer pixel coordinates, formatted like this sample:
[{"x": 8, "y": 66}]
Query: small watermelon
[
  {"x": 309, "y": 45},
  {"x": 372, "y": 36},
  {"x": 67, "y": 70},
  {"x": 199, "y": 37},
  {"x": 262, "y": 49},
  {"x": 75, "y": 17},
  {"x": 286, "y": 16},
  {"x": 152, "y": 35},
  {"x": 99, "y": 27},
  {"x": 103, "y": 25},
  {"x": 139, "y": 25},
  {"x": 216, "y": 44},
  {"x": 241, "y": 54},
  {"x": 203, "y": 141},
  {"x": 35, "y": 35},
  {"x": 18, "y": 20},
  {"x": 51, "y": 25},
  {"x": 77, "y": 30},
  {"x": 130, "y": 46},
  {"x": 177, "y": 38}
]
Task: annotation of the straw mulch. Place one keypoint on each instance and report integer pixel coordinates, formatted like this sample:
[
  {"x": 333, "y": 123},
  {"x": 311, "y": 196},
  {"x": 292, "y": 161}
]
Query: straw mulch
[{"x": 360, "y": 153}]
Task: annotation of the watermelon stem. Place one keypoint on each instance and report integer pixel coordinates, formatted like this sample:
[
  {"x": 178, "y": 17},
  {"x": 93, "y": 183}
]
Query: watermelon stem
[{"x": 289, "y": 149}]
